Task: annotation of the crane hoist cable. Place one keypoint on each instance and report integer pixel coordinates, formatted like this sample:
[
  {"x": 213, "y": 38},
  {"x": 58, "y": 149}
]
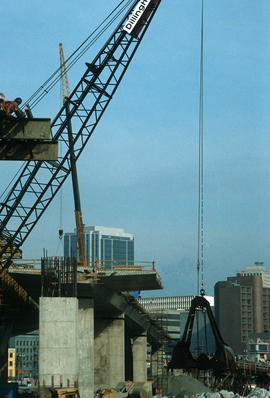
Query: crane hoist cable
[
  {"x": 61, "y": 230},
  {"x": 11, "y": 182},
  {"x": 55, "y": 77},
  {"x": 200, "y": 242}
]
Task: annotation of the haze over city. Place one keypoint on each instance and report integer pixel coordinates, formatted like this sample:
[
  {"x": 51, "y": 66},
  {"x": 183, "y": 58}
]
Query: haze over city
[{"x": 140, "y": 168}]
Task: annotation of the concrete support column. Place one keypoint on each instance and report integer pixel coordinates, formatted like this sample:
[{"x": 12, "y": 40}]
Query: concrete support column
[
  {"x": 139, "y": 350},
  {"x": 86, "y": 347},
  {"x": 58, "y": 361},
  {"x": 109, "y": 351}
]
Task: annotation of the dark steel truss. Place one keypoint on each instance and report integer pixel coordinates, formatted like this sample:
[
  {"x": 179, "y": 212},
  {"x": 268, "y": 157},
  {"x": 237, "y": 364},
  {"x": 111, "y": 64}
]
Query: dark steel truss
[{"x": 39, "y": 181}]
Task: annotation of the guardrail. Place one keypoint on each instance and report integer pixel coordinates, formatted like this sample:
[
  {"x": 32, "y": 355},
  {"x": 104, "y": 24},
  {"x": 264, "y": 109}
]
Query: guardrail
[{"x": 34, "y": 265}]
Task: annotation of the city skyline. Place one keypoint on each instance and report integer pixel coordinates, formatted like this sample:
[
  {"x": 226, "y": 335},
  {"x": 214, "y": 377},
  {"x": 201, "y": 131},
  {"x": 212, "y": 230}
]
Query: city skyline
[{"x": 139, "y": 170}]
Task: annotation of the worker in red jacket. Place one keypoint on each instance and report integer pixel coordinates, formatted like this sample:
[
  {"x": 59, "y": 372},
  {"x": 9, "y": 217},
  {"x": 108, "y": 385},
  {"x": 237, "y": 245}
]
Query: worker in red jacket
[{"x": 13, "y": 107}]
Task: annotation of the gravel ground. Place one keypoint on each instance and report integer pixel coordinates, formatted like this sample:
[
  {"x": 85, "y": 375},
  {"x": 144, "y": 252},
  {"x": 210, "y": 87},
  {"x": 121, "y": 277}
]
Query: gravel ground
[
  {"x": 183, "y": 386},
  {"x": 187, "y": 387}
]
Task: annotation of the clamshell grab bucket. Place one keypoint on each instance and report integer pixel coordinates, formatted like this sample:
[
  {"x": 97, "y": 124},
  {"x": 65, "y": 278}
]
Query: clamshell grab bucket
[{"x": 182, "y": 358}]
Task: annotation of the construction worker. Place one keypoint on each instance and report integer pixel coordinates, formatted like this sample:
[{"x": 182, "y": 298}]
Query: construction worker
[{"x": 13, "y": 107}]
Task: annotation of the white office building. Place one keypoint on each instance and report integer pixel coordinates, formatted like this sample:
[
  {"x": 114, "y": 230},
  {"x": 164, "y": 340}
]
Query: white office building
[{"x": 105, "y": 244}]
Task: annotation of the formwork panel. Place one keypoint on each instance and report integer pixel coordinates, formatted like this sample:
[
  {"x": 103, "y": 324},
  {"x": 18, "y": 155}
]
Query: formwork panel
[{"x": 25, "y": 129}]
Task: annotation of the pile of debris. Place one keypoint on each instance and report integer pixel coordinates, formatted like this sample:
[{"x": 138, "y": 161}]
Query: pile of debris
[
  {"x": 183, "y": 386},
  {"x": 256, "y": 393}
]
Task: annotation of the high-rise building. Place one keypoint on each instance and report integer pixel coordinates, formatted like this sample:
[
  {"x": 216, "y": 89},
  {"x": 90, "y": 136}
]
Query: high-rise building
[
  {"x": 103, "y": 245},
  {"x": 242, "y": 305}
]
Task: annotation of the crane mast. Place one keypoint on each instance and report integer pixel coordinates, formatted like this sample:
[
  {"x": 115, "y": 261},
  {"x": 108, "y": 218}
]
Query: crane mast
[
  {"x": 64, "y": 77},
  {"x": 39, "y": 182},
  {"x": 74, "y": 174}
]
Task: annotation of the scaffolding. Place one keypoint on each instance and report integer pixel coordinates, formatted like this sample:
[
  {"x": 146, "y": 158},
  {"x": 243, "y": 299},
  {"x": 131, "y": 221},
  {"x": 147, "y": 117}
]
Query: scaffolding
[{"x": 159, "y": 357}]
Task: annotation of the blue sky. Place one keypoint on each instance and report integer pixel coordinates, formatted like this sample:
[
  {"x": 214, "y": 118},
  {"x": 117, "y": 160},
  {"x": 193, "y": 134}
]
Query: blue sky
[{"x": 139, "y": 171}]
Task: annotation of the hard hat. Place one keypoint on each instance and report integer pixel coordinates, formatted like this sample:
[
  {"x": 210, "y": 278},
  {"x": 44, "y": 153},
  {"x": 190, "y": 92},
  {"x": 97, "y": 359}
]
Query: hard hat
[
  {"x": 18, "y": 100},
  {"x": 2, "y": 96}
]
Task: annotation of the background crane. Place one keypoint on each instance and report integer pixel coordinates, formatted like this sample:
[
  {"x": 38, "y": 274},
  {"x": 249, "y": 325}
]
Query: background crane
[{"x": 74, "y": 174}]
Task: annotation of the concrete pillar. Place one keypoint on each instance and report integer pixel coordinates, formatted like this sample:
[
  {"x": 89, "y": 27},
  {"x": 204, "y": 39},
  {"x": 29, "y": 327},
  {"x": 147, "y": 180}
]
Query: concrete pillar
[
  {"x": 109, "y": 351},
  {"x": 86, "y": 347},
  {"x": 58, "y": 360},
  {"x": 139, "y": 350}
]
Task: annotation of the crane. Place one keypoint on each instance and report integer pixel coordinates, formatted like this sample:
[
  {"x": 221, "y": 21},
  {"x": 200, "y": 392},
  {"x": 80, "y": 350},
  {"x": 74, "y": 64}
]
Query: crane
[
  {"x": 39, "y": 181},
  {"x": 74, "y": 174}
]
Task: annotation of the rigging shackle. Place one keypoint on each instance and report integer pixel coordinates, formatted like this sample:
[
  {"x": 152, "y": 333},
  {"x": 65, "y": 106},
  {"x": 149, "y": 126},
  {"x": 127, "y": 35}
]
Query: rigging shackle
[{"x": 202, "y": 291}]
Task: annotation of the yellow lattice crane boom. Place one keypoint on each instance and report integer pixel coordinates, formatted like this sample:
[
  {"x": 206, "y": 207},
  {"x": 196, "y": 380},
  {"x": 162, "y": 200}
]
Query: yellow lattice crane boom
[{"x": 64, "y": 77}]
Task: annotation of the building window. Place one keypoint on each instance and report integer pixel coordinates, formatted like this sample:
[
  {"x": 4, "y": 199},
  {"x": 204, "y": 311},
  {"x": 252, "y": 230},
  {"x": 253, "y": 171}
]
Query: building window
[{"x": 263, "y": 347}]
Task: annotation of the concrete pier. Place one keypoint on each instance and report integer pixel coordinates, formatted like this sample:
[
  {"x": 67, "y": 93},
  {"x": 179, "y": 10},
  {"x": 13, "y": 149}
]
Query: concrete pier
[
  {"x": 58, "y": 360},
  {"x": 66, "y": 344},
  {"x": 139, "y": 351},
  {"x": 109, "y": 351},
  {"x": 88, "y": 341},
  {"x": 85, "y": 347}
]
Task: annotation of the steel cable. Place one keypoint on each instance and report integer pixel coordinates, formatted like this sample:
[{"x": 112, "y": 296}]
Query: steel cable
[
  {"x": 55, "y": 77},
  {"x": 200, "y": 243}
]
